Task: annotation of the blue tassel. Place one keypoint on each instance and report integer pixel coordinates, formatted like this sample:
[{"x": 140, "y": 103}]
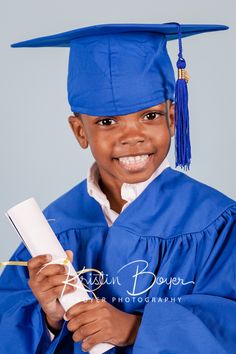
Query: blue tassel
[{"x": 182, "y": 133}]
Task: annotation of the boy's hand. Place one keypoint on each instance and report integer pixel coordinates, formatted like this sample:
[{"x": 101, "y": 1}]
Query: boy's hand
[
  {"x": 97, "y": 321},
  {"x": 47, "y": 287}
]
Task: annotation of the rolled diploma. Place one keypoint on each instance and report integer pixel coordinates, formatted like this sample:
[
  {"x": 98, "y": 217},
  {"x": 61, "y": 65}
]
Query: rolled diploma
[{"x": 39, "y": 238}]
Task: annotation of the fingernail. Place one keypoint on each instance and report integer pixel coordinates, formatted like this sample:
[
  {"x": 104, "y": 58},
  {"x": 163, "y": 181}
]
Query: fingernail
[
  {"x": 85, "y": 346},
  {"x": 48, "y": 257},
  {"x": 65, "y": 318}
]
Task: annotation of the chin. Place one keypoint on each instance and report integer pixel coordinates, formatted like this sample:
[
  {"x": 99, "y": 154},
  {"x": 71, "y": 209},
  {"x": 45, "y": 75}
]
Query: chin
[{"x": 137, "y": 178}]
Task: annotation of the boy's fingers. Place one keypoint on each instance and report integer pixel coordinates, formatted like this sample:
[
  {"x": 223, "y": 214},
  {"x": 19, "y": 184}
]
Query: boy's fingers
[
  {"x": 81, "y": 320},
  {"x": 38, "y": 267},
  {"x": 51, "y": 282},
  {"x": 37, "y": 262},
  {"x": 55, "y": 293},
  {"x": 86, "y": 331},
  {"x": 50, "y": 270},
  {"x": 95, "y": 339},
  {"x": 83, "y": 306}
]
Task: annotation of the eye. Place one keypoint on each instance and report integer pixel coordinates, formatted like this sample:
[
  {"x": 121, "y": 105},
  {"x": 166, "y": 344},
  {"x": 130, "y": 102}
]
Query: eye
[
  {"x": 153, "y": 115},
  {"x": 106, "y": 121}
]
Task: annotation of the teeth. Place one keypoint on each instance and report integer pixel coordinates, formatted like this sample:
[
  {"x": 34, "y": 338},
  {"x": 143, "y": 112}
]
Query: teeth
[{"x": 133, "y": 159}]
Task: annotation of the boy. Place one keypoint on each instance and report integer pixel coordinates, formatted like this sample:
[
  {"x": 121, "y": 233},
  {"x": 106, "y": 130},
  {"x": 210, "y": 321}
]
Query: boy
[{"x": 164, "y": 241}]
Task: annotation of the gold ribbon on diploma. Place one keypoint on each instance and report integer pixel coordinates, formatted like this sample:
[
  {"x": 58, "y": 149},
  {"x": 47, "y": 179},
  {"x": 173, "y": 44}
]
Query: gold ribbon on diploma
[
  {"x": 65, "y": 261},
  {"x": 20, "y": 263}
]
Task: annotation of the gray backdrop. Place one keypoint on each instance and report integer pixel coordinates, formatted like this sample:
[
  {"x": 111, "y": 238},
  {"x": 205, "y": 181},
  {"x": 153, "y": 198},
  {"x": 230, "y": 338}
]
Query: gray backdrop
[{"x": 40, "y": 157}]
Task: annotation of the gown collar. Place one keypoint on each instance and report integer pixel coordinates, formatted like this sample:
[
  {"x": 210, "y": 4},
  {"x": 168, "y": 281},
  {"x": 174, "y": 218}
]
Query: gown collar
[{"x": 129, "y": 192}]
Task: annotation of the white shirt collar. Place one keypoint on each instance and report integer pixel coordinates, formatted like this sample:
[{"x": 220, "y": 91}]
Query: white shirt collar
[{"x": 129, "y": 191}]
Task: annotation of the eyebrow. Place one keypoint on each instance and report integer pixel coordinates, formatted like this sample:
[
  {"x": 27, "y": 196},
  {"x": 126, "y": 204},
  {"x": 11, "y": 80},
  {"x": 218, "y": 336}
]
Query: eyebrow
[{"x": 161, "y": 109}]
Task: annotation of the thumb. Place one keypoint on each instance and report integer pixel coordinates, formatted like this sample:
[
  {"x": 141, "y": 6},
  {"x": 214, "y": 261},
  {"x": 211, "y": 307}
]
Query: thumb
[{"x": 69, "y": 255}]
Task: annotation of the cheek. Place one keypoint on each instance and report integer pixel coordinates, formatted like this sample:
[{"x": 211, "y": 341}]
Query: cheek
[
  {"x": 161, "y": 136},
  {"x": 101, "y": 148}
]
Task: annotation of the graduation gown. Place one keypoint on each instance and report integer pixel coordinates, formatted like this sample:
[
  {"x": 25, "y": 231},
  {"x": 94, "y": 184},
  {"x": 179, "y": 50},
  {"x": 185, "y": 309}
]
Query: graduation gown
[{"x": 170, "y": 256}]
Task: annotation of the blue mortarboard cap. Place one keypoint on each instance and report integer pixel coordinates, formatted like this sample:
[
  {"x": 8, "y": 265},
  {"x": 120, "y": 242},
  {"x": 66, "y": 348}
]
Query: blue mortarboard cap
[{"x": 117, "y": 69}]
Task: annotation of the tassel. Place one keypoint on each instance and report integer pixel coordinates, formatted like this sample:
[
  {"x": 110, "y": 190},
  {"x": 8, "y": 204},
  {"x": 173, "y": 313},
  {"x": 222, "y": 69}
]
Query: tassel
[{"x": 182, "y": 133}]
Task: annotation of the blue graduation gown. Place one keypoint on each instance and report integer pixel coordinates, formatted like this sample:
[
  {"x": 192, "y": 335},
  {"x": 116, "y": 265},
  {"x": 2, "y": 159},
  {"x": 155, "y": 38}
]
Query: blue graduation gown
[{"x": 172, "y": 254}]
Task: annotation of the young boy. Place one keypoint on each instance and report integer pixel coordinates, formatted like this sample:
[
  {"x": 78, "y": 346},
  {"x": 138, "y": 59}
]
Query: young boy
[{"x": 164, "y": 242}]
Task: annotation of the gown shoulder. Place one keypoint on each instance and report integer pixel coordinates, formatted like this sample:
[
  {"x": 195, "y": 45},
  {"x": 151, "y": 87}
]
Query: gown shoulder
[
  {"x": 75, "y": 209},
  {"x": 174, "y": 204}
]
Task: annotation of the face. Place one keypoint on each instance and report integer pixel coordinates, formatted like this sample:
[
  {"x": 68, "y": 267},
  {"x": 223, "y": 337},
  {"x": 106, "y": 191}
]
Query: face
[{"x": 130, "y": 147}]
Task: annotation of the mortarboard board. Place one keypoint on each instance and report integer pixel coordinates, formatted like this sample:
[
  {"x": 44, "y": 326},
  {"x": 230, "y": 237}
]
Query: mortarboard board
[{"x": 117, "y": 69}]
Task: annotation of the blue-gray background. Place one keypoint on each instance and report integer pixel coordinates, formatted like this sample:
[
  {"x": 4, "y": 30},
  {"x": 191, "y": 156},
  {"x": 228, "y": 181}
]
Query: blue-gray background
[{"x": 40, "y": 157}]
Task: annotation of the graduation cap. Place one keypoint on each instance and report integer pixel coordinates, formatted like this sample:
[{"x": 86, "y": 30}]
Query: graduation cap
[{"x": 117, "y": 69}]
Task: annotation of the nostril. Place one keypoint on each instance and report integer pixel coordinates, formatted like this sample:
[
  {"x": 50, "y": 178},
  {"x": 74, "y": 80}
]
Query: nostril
[{"x": 132, "y": 140}]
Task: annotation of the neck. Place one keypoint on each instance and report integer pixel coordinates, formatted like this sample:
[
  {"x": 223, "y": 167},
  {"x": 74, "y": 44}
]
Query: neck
[{"x": 113, "y": 194}]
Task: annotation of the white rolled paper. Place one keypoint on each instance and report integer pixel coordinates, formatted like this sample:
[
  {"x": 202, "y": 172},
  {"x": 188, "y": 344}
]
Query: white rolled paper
[{"x": 39, "y": 238}]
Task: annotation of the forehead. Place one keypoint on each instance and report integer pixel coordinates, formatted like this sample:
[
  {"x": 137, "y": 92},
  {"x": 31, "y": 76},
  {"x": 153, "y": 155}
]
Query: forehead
[{"x": 161, "y": 106}]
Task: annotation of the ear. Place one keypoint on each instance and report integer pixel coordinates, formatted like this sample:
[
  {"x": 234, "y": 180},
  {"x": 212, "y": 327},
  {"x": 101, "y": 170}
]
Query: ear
[
  {"x": 172, "y": 118},
  {"x": 77, "y": 127}
]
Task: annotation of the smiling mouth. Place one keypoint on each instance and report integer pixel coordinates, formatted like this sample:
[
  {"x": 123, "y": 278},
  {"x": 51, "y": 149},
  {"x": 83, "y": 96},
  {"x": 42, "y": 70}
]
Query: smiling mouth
[{"x": 134, "y": 163}]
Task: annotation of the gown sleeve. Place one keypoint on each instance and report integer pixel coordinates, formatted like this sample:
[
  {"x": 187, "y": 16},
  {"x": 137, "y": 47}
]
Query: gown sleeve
[
  {"x": 22, "y": 323},
  {"x": 205, "y": 320}
]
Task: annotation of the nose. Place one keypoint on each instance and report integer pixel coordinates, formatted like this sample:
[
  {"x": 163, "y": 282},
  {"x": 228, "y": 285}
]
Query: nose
[{"x": 131, "y": 134}]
